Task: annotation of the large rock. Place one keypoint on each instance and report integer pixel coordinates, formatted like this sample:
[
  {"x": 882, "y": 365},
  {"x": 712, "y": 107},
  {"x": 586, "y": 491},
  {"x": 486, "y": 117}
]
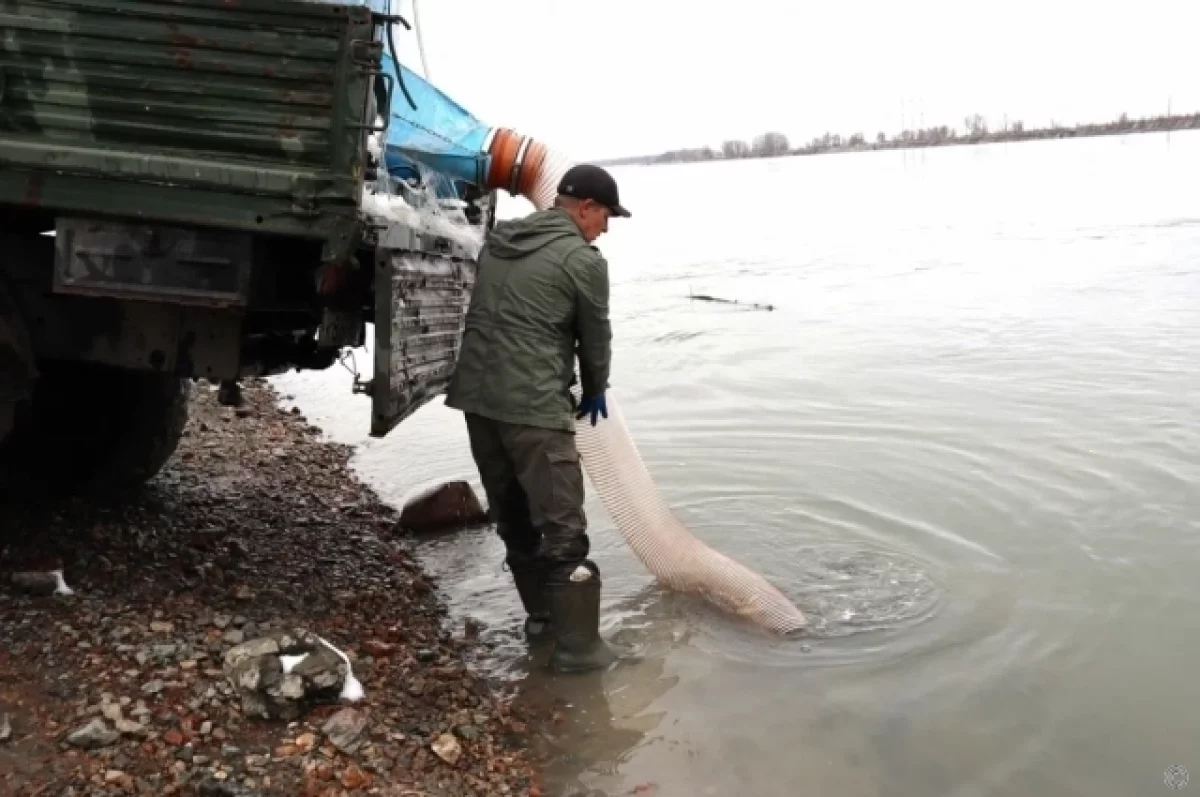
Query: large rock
[
  {"x": 450, "y": 506},
  {"x": 283, "y": 675}
]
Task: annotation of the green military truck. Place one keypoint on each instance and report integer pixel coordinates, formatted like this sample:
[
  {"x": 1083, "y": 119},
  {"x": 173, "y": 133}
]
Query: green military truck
[{"x": 181, "y": 198}]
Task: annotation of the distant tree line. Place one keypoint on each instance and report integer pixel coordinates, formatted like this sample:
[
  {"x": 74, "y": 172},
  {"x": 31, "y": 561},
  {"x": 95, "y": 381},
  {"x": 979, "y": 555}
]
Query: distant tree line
[
  {"x": 975, "y": 130},
  {"x": 767, "y": 145}
]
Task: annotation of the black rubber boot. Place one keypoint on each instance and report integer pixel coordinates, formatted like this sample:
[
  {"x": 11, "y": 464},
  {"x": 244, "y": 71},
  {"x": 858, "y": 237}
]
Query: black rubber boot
[
  {"x": 529, "y": 574},
  {"x": 573, "y": 594}
]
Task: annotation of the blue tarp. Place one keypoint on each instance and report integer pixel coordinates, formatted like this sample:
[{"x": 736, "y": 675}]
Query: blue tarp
[{"x": 439, "y": 133}]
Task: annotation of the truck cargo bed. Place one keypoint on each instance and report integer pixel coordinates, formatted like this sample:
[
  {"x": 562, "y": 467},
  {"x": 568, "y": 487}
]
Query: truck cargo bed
[{"x": 240, "y": 114}]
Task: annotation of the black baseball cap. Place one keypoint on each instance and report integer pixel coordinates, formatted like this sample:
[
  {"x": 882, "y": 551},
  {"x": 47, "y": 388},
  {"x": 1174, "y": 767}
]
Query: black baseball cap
[{"x": 586, "y": 181}]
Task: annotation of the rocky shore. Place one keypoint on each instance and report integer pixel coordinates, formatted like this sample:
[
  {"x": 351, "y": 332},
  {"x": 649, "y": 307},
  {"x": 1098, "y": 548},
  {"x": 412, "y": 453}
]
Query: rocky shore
[{"x": 255, "y": 561}]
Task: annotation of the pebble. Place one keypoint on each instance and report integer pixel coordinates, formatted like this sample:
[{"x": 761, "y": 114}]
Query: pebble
[
  {"x": 130, "y": 728},
  {"x": 354, "y": 778},
  {"x": 96, "y": 734},
  {"x": 153, "y": 687},
  {"x": 379, "y": 649},
  {"x": 447, "y": 748},
  {"x": 346, "y": 730}
]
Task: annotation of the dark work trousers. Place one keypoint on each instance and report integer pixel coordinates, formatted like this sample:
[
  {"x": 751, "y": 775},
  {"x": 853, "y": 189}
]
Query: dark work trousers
[{"x": 534, "y": 485}]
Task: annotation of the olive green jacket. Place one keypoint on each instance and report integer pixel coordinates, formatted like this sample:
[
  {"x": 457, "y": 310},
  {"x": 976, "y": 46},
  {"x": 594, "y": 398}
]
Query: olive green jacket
[{"x": 540, "y": 299}]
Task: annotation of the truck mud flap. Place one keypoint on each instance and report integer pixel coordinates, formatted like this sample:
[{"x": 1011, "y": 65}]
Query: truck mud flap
[{"x": 423, "y": 288}]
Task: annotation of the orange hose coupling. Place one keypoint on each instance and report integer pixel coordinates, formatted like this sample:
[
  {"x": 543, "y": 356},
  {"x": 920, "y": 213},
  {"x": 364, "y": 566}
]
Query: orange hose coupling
[{"x": 516, "y": 161}]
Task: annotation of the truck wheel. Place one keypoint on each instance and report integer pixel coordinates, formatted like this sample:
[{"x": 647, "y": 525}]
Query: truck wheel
[{"x": 94, "y": 429}]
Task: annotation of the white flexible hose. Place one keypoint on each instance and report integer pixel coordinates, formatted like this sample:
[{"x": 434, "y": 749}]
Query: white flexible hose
[
  {"x": 545, "y": 187},
  {"x": 678, "y": 560}
]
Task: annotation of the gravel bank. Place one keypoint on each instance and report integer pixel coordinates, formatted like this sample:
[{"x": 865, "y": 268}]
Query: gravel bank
[{"x": 256, "y": 526}]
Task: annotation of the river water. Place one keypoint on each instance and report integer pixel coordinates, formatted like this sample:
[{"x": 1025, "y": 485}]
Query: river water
[{"x": 966, "y": 441}]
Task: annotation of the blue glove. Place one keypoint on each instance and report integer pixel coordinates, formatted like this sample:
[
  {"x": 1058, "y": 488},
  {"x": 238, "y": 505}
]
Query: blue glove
[{"x": 594, "y": 406}]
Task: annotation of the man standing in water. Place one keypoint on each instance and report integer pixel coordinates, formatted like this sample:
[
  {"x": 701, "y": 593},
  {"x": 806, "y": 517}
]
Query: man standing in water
[{"x": 540, "y": 299}]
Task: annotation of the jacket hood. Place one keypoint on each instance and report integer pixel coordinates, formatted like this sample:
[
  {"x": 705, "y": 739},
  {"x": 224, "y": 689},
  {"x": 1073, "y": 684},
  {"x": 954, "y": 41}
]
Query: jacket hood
[{"x": 519, "y": 237}]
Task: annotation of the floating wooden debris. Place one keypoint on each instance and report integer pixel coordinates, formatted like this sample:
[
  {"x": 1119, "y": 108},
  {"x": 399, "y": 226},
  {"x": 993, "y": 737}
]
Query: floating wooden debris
[{"x": 702, "y": 297}]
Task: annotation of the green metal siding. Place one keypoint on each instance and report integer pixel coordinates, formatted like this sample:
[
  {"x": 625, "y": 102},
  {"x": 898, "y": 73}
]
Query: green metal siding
[{"x": 236, "y": 113}]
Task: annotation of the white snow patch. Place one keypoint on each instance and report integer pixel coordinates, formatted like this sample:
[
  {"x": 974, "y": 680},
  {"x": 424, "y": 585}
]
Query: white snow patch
[
  {"x": 290, "y": 662},
  {"x": 352, "y": 690},
  {"x": 61, "y": 587}
]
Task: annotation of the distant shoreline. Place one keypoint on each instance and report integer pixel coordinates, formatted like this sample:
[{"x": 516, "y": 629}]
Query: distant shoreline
[{"x": 768, "y": 146}]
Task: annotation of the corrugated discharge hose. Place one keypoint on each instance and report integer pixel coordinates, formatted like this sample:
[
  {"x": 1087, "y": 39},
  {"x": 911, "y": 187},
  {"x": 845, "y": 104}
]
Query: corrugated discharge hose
[{"x": 677, "y": 559}]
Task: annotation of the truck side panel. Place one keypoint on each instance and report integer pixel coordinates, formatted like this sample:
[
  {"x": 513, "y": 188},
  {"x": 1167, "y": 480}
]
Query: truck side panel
[
  {"x": 423, "y": 288},
  {"x": 241, "y": 114}
]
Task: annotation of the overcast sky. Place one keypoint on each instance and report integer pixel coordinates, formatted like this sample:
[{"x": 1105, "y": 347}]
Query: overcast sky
[{"x": 629, "y": 77}]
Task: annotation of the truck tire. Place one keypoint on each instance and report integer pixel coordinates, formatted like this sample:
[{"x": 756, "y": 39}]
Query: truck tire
[{"x": 91, "y": 429}]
